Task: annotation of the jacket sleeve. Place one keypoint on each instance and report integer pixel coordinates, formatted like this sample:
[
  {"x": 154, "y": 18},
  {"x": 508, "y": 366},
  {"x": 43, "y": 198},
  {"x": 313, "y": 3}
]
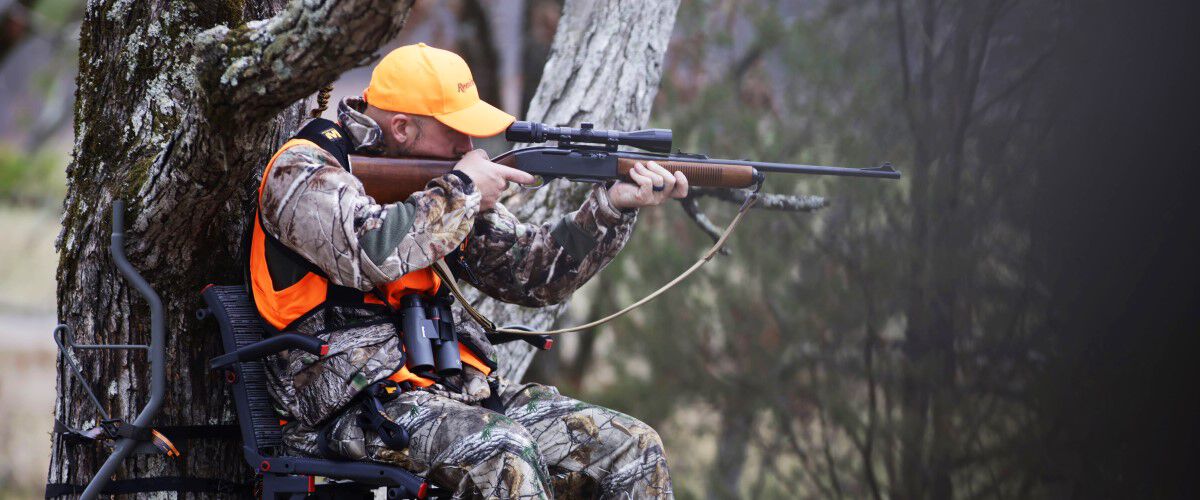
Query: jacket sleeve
[
  {"x": 321, "y": 212},
  {"x": 538, "y": 265}
]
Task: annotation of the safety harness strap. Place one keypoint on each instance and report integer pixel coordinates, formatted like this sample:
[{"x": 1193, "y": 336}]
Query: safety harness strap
[{"x": 330, "y": 136}]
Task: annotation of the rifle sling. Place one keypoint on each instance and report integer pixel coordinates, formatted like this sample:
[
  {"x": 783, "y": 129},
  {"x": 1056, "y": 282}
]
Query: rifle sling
[{"x": 443, "y": 271}]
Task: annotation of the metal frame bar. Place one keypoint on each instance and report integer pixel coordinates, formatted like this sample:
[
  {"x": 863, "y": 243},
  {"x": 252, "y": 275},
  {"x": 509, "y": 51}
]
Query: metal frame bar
[{"x": 64, "y": 338}]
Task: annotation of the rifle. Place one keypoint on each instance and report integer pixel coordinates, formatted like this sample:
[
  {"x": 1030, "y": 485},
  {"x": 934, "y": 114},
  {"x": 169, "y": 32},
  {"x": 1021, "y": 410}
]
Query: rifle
[{"x": 586, "y": 154}]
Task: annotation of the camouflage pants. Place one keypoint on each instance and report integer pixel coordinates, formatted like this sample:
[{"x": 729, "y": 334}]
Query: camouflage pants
[{"x": 544, "y": 445}]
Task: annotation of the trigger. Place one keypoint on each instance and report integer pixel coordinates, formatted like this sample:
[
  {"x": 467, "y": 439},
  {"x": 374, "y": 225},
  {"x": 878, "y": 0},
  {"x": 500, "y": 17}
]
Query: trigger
[{"x": 541, "y": 181}]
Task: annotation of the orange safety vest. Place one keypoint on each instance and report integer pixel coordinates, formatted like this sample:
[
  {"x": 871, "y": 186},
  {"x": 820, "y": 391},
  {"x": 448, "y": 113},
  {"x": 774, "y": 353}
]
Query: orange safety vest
[{"x": 283, "y": 307}]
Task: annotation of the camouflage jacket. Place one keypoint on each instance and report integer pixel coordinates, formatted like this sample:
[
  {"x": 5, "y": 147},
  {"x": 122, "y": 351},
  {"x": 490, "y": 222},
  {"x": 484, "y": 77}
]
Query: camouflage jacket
[{"x": 321, "y": 212}]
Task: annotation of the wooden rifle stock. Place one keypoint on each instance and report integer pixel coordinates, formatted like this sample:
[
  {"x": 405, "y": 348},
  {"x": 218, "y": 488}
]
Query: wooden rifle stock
[{"x": 390, "y": 180}]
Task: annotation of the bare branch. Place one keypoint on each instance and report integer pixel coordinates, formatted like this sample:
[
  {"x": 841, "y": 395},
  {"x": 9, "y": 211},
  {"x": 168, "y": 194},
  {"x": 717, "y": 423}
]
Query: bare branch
[
  {"x": 906, "y": 70},
  {"x": 262, "y": 67},
  {"x": 693, "y": 211},
  {"x": 766, "y": 201},
  {"x": 1020, "y": 81}
]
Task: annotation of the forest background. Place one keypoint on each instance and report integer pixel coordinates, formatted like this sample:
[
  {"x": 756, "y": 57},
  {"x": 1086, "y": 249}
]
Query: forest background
[{"x": 1011, "y": 320}]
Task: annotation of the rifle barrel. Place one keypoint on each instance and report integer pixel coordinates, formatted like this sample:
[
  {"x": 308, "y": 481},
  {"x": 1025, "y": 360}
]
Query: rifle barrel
[{"x": 885, "y": 171}]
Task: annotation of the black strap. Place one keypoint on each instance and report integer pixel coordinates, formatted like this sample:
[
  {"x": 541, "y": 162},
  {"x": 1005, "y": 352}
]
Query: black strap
[
  {"x": 149, "y": 484},
  {"x": 121, "y": 429},
  {"x": 330, "y": 136},
  {"x": 323, "y": 448},
  {"x": 493, "y": 401},
  {"x": 374, "y": 418},
  {"x": 459, "y": 268},
  {"x": 222, "y": 432},
  {"x": 343, "y": 295}
]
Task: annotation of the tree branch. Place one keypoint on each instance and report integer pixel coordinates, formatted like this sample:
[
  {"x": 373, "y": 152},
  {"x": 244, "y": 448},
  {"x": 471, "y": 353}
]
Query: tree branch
[
  {"x": 1020, "y": 81},
  {"x": 693, "y": 211},
  {"x": 767, "y": 201},
  {"x": 262, "y": 67}
]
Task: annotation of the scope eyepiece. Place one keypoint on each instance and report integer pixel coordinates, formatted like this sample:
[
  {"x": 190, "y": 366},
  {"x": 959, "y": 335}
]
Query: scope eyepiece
[{"x": 657, "y": 140}]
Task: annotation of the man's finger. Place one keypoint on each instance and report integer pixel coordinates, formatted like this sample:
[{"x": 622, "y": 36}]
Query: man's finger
[
  {"x": 668, "y": 180},
  {"x": 512, "y": 174},
  {"x": 655, "y": 179},
  {"x": 644, "y": 183},
  {"x": 681, "y": 185},
  {"x": 478, "y": 153}
]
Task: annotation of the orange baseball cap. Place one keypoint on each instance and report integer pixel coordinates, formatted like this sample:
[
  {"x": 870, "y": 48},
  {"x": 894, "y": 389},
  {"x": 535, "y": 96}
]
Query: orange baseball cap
[{"x": 423, "y": 80}]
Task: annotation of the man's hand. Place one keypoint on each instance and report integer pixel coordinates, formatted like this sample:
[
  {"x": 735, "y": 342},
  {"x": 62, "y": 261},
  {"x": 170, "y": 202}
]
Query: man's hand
[
  {"x": 490, "y": 178},
  {"x": 654, "y": 185}
]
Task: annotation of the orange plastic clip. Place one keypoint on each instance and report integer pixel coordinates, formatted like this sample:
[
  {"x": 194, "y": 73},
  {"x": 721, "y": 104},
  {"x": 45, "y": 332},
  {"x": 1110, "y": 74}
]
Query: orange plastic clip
[{"x": 162, "y": 443}]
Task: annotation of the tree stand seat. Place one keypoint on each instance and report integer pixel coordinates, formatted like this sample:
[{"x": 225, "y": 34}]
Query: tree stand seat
[{"x": 286, "y": 477}]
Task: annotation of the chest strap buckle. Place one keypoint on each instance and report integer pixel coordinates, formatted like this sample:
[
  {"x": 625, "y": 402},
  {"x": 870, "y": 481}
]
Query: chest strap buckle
[{"x": 374, "y": 418}]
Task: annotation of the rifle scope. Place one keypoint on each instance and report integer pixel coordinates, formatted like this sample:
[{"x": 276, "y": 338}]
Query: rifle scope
[{"x": 655, "y": 139}]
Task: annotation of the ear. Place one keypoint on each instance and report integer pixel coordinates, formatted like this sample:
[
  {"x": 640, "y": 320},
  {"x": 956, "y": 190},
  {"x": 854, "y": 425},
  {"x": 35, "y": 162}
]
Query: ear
[{"x": 400, "y": 128}]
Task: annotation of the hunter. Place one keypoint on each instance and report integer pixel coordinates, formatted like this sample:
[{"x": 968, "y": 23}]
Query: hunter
[{"x": 327, "y": 260}]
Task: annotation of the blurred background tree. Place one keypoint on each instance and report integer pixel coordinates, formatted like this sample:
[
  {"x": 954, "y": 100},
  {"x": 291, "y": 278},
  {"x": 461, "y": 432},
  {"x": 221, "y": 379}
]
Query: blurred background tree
[
  {"x": 37, "y": 68},
  {"x": 885, "y": 346}
]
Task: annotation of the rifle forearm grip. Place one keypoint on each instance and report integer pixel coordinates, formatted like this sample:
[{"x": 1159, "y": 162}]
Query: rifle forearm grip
[{"x": 723, "y": 175}]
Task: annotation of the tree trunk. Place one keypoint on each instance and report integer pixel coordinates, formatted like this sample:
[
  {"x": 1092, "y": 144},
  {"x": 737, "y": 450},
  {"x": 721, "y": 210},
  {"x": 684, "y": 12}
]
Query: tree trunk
[
  {"x": 176, "y": 112},
  {"x": 604, "y": 68},
  {"x": 947, "y": 119},
  {"x": 733, "y": 443}
]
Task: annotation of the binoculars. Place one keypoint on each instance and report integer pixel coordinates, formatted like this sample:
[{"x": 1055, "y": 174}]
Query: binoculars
[{"x": 430, "y": 343}]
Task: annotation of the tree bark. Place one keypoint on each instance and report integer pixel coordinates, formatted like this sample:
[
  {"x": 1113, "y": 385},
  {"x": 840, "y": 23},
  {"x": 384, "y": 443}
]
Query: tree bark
[
  {"x": 604, "y": 68},
  {"x": 178, "y": 107}
]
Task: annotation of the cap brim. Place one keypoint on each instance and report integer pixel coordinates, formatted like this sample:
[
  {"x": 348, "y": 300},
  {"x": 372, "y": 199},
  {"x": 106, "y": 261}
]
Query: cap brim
[{"x": 478, "y": 120}]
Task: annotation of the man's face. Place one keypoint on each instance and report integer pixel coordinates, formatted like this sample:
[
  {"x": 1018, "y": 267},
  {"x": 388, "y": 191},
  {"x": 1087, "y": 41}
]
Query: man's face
[{"x": 425, "y": 136}]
